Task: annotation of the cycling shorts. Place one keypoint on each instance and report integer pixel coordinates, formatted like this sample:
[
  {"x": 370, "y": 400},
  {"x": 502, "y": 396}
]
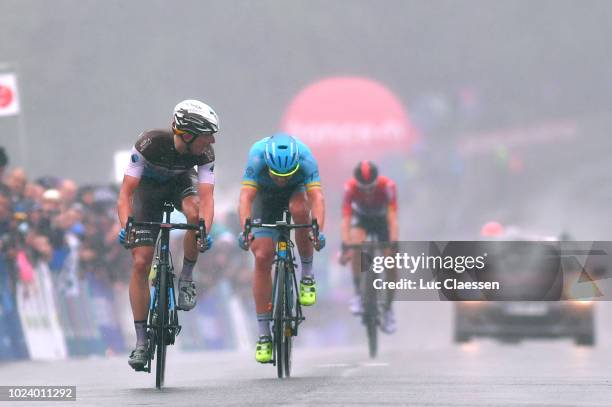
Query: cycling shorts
[
  {"x": 149, "y": 199},
  {"x": 269, "y": 206},
  {"x": 374, "y": 225}
]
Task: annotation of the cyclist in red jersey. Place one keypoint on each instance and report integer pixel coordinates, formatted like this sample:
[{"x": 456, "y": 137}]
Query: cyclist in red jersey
[{"x": 369, "y": 207}]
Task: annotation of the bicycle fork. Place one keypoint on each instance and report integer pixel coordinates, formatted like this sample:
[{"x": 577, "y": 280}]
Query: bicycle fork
[{"x": 173, "y": 325}]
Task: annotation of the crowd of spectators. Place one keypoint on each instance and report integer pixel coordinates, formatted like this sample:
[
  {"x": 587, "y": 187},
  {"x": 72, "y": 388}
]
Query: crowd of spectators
[{"x": 44, "y": 219}]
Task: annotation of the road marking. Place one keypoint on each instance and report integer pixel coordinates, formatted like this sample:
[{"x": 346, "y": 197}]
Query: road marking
[
  {"x": 374, "y": 364},
  {"x": 349, "y": 371},
  {"x": 334, "y": 365},
  {"x": 353, "y": 366}
]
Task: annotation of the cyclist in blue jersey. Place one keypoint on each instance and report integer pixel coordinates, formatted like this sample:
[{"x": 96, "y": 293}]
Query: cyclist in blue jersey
[{"x": 281, "y": 173}]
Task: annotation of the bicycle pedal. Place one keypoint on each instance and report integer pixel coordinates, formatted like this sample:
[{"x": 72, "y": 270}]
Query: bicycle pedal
[{"x": 139, "y": 368}]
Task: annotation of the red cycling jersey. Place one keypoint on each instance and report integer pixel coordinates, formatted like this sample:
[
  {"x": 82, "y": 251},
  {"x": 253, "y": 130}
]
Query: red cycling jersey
[{"x": 376, "y": 202}]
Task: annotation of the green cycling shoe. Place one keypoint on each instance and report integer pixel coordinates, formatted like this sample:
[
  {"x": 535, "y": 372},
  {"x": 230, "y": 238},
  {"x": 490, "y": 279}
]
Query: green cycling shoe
[
  {"x": 263, "y": 350},
  {"x": 308, "y": 291}
]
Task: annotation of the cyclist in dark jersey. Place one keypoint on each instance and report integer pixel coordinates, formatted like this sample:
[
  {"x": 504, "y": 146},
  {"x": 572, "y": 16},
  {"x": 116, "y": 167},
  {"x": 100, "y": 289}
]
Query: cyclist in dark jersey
[
  {"x": 162, "y": 168},
  {"x": 369, "y": 207}
]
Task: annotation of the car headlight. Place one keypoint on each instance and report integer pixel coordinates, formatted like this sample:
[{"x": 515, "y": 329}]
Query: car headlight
[{"x": 584, "y": 290}]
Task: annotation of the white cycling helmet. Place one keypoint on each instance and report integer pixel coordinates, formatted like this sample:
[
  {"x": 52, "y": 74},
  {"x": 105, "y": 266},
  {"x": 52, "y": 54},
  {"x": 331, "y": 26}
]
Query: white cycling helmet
[{"x": 194, "y": 117}]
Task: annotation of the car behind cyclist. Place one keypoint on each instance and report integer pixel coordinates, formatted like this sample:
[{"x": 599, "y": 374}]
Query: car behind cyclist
[
  {"x": 281, "y": 173},
  {"x": 162, "y": 168},
  {"x": 369, "y": 207}
]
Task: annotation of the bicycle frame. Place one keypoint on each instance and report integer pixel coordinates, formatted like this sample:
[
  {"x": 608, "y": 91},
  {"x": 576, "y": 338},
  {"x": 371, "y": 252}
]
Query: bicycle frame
[{"x": 284, "y": 256}]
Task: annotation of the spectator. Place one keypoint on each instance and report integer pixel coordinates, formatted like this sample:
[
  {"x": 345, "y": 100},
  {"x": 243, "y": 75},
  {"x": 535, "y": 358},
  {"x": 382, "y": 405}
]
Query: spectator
[
  {"x": 33, "y": 193},
  {"x": 16, "y": 181},
  {"x": 48, "y": 182},
  {"x": 17, "y": 232},
  {"x": 7, "y": 232},
  {"x": 53, "y": 224},
  {"x": 68, "y": 191},
  {"x": 3, "y": 162}
]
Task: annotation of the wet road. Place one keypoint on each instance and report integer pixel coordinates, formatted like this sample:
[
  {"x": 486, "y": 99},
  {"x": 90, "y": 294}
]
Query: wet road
[{"x": 481, "y": 373}]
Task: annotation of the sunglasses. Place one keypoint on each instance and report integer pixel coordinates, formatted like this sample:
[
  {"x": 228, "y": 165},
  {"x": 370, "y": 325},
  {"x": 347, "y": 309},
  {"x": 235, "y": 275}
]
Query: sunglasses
[
  {"x": 189, "y": 138},
  {"x": 286, "y": 175}
]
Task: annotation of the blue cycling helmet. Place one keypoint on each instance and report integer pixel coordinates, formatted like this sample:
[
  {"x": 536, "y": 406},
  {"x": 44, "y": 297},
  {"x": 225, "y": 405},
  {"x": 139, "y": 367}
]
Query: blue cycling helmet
[{"x": 282, "y": 155}]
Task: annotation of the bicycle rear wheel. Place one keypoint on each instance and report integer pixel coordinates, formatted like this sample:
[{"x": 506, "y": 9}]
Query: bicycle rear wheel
[
  {"x": 279, "y": 311},
  {"x": 161, "y": 333}
]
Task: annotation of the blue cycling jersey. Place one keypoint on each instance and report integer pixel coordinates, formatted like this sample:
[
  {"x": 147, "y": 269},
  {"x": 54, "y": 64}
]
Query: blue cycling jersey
[{"x": 256, "y": 172}]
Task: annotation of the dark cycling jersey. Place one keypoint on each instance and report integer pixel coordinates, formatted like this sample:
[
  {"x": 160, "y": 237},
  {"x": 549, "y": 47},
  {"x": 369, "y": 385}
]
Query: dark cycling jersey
[
  {"x": 165, "y": 175},
  {"x": 374, "y": 203},
  {"x": 154, "y": 157}
]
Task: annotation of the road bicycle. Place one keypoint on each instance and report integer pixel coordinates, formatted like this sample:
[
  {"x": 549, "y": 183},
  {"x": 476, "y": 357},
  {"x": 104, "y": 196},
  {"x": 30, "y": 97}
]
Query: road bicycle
[
  {"x": 163, "y": 322},
  {"x": 286, "y": 309},
  {"x": 371, "y": 303}
]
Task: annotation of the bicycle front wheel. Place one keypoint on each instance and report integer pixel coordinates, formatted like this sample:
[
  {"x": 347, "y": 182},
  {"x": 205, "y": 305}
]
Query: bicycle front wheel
[
  {"x": 372, "y": 331},
  {"x": 288, "y": 319},
  {"x": 161, "y": 328},
  {"x": 370, "y": 313},
  {"x": 279, "y": 311}
]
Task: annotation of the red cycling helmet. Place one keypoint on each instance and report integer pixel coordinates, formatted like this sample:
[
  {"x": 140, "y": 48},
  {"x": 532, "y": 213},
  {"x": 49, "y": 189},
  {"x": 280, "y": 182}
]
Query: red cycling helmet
[{"x": 366, "y": 174}]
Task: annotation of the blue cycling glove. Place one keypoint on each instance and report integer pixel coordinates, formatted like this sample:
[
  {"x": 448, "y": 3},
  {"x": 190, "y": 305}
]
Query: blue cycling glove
[
  {"x": 242, "y": 242},
  {"x": 321, "y": 241},
  {"x": 121, "y": 237},
  {"x": 207, "y": 245}
]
